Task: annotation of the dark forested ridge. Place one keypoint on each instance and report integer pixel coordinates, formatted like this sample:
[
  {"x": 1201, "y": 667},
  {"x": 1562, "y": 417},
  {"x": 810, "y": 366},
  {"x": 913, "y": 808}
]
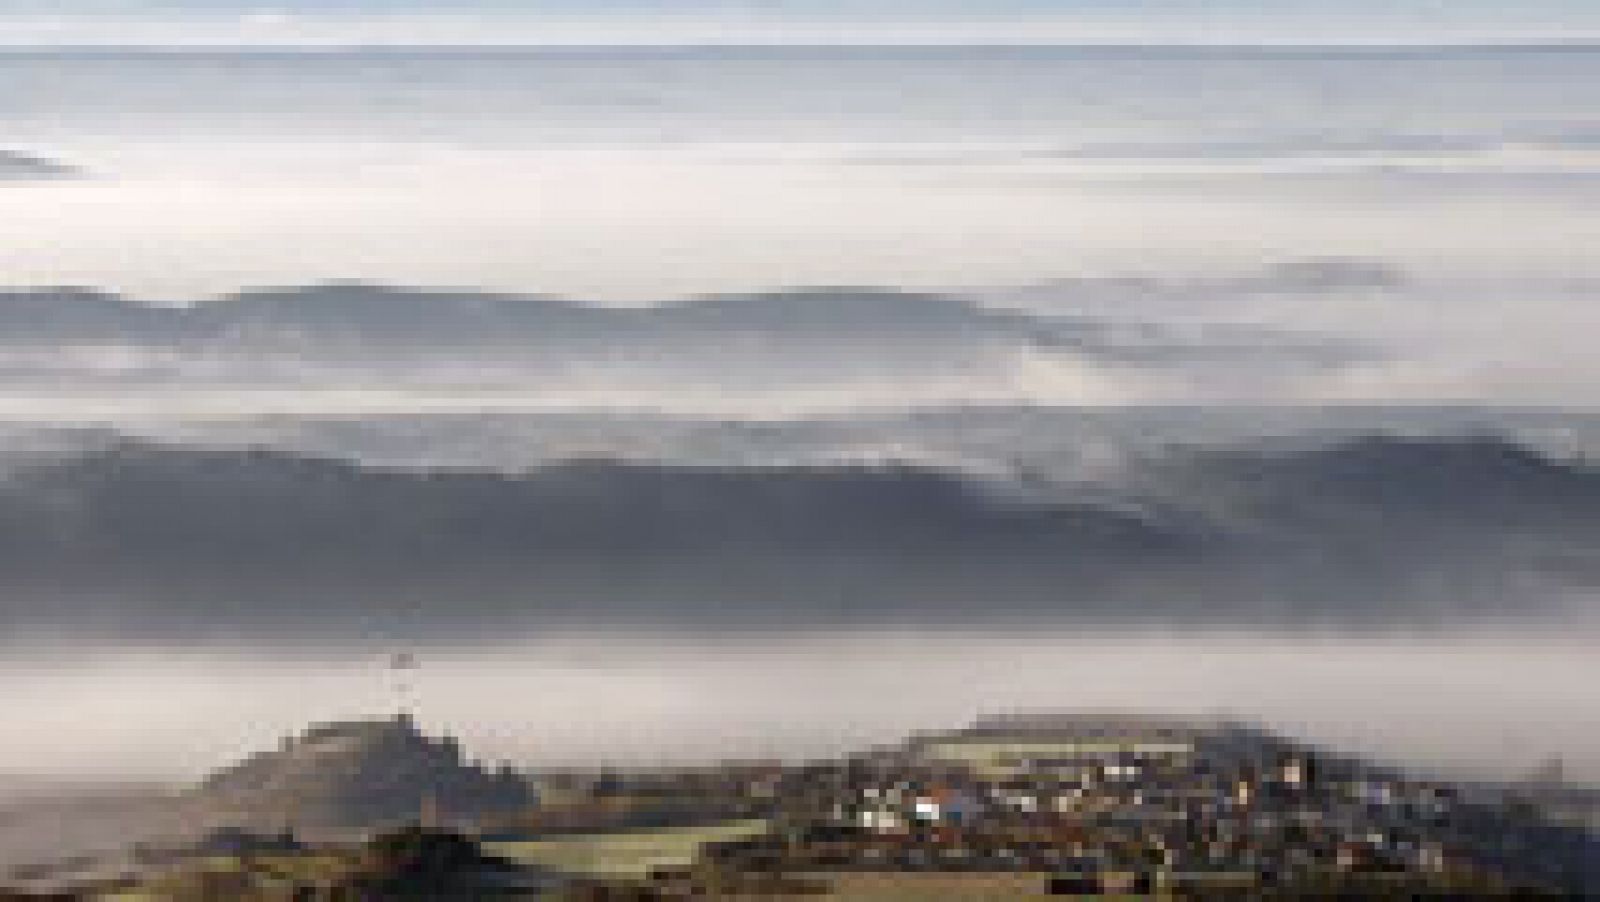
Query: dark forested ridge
[{"x": 228, "y": 541}]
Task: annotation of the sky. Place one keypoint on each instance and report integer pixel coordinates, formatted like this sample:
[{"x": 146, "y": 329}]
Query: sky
[{"x": 340, "y": 22}]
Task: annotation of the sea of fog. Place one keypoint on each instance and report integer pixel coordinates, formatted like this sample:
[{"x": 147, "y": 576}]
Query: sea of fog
[
  {"x": 649, "y": 174},
  {"x": 1491, "y": 706},
  {"x": 631, "y": 176}
]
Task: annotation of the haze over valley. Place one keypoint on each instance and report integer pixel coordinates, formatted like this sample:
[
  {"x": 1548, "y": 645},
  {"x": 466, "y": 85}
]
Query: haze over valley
[{"x": 680, "y": 403}]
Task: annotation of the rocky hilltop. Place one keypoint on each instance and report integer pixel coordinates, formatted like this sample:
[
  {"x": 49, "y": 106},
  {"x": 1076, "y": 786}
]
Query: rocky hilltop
[{"x": 360, "y": 775}]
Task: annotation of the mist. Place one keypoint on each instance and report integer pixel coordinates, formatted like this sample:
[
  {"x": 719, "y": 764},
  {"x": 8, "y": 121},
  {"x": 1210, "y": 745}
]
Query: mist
[
  {"x": 686, "y": 403},
  {"x": 628, "y": 701},
  {"x": 1138, "y": 185},
  {"x": 729, "y": 170}
]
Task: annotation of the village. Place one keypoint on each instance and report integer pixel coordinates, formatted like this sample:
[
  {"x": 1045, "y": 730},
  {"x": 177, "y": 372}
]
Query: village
[
  {"x": 1134, "y": 805},
  {"x": 1060, "y": 804}
]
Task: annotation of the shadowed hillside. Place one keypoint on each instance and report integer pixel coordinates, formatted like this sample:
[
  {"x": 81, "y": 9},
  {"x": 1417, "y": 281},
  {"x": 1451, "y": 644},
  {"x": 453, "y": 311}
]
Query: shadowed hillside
[{"x": 162, "y": 540}]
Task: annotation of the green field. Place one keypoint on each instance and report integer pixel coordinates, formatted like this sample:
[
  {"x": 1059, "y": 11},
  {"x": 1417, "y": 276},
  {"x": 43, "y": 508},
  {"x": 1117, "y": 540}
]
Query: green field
[{"x": 630, "y": 854}]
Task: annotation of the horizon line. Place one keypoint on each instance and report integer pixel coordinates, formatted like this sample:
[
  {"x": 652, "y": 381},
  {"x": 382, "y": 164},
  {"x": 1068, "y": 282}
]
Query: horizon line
[{"x": 1587, "y": 43}]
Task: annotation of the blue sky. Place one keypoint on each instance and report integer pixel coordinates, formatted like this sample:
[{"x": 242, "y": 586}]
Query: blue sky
[{"x": 861, "y": 21}]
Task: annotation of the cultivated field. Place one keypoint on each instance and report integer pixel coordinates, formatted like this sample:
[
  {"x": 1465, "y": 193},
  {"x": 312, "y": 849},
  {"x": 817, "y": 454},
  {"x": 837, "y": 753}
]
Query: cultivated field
[{"x": 624, "y": 855}]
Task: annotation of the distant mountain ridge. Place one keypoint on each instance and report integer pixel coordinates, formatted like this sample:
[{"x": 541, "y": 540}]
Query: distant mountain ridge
[
  {"x": 353, "y": 309},
  {"x": 150, "y": 539},
  {"x": 363, "y": 325},
  {"x": 15, "y": 165}
]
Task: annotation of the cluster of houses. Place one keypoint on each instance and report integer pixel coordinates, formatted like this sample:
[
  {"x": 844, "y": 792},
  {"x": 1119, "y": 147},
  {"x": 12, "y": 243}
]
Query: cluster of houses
[
  {"x": 1116, "y": 804},
  {"x": 1069, "y": 804}
]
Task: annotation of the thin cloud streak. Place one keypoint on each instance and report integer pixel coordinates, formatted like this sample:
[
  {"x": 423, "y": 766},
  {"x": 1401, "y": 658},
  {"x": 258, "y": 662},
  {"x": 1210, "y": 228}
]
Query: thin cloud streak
[{"x": 650, "y": 24}]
